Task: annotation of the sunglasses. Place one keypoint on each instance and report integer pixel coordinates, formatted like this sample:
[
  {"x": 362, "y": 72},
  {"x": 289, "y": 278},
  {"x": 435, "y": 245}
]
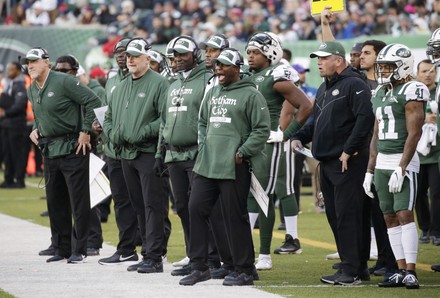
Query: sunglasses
[{"x": 64, "y": 70}]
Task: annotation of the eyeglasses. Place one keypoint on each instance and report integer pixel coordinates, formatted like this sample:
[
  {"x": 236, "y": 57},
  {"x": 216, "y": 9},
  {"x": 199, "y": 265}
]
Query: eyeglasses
[{"x": 64, "y": 70}]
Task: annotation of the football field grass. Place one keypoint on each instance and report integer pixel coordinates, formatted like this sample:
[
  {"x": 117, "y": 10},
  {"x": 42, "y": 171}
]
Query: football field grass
[{"x": 291, "y": 276}]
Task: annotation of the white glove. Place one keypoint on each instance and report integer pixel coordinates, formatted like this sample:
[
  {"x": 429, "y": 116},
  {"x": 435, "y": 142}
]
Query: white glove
[
  {"x": 368, "y": 181},
  {"x": 276, "y": 136},
  {"x": 396, "y": 181}
]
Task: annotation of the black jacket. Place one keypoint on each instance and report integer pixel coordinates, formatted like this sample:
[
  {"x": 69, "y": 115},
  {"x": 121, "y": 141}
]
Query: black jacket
[
  {"x": 14, "y": 102},
  {"x": 343, "y": 117}
]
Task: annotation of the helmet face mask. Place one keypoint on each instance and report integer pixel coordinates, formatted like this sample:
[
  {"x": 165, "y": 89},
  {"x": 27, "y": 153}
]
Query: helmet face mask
[
  {"x": 268, "y": 44},
  {"x": 394, "y": 62},
  {"x": 433, "y": 49}
]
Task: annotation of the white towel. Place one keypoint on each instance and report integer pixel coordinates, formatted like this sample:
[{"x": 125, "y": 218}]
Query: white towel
[{"x": 428, "y": 138}]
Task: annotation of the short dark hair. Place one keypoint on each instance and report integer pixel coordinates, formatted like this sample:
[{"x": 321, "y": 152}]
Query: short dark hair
[
  {"x": 288, "y": 54},
  {"x": 71, "y": 60},
  {"x": 424, "y": 61},
  {"x": 17, "y": 65},
  {"x": 377, "y": 45}
]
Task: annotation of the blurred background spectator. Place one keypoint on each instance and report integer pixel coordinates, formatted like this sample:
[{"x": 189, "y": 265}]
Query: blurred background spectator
[{"x": 160, "y": 21}]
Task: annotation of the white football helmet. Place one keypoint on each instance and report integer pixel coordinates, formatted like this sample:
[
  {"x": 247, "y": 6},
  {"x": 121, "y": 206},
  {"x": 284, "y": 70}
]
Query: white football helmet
[
  {"x": 397, "y": 55},
  {"x": 268, "y": 44},
  {"x": 433, "y": 49}
]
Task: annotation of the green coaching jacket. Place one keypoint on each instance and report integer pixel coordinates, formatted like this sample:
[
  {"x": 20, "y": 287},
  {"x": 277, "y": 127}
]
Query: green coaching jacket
[
  {"x": 110, "y": 85},
  {"x": 58, "y": 112},
  {"x": 232, "y": 118},
  {"x": 179, "y": 118},
  {"x": 133, "y": 116}
]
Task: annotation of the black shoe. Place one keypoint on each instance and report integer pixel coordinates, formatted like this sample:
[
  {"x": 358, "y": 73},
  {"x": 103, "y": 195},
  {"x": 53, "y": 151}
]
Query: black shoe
[
  {"x": 393, "y": 281},
  {"x": 364, "y": 275},
  {"x": 436, "y": 267},
  {"x": 55, "y": 258},
  {"x": 117, "y": 259},
  {"x": 194, "y": 277},
  {"x": 185, "y": 270},
  {"x": 410, "y": 280},
  {"x": 135, "y": 267},
  {"x": 92, "y": 251},
  {"x": 44, "y": 213},
  {"x": 380, "y": 272},
  {"x": 151, "y": 266},
  {"x": 330, "y": 279},
  {"x": 435, "y": 240},
  {"x": 337, "y": 265},
  {"x": 241, "y": 279},
  {"x": 424, "y": 238},
  {"x": 219, "y": 273},
  {"x": 47, "y": 252},
  {"x": 19, "y": 185},
  {"x": 282, "y": 226},
  {"x": 347, "y": 280},
  {"x": 255, "y": 274},
  {"x": 76, "y": 258},
  {"x": 290, "y": 246},
  {"x": 5, "y": 184}
]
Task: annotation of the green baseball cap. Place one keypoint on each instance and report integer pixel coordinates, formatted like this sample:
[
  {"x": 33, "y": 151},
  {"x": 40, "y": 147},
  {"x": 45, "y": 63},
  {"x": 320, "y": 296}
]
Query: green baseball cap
[{"x": 329, "y": 48}]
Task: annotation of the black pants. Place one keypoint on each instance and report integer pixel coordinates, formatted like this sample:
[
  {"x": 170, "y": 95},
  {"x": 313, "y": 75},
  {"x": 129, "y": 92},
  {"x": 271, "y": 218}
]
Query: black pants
[
  {"x": 233, "y": 201},
  {"x": 166, "y": 205},
  {"x": 68, "y": 192},
  {"x": 181, "y": 175},
  {"x": 147, "y": 196},
  {"x": 344, "y": 195},
  {"x": 125, "y": 216},
  {"x": 428, "y": 217},
  {"x": 95, "y": 238},
  {"x": 15, "y": 153}
]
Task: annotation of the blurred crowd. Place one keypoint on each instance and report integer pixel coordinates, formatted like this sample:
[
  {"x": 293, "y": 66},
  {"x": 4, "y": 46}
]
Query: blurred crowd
[{"x": 160, "y": 21}]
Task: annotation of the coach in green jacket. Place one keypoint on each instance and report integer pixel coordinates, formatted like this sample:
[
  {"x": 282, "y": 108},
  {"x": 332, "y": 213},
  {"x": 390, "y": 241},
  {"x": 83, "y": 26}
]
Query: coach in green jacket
[
  {"x": 132, "y": 124},
  {"x": 63, "y": 109},
  {"x": 234, "y": 125}
]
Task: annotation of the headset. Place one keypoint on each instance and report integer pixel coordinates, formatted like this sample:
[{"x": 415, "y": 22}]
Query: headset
[
  {"x": 238, "y": 63},
  {"x": 121, "y": 43},
  {"x": 197, "y": 54},
  {"x": 147, "y": 45},
  {"x": 45, "y": 53},
  {"x": 162, "y": 63},
  {"x": 76, "y": 65}
]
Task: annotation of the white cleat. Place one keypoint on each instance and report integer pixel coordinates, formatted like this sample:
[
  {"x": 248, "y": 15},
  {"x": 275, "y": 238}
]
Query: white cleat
[
  {"x": 182, "y": 262},
  {"x": 264, "y": 263},
  {"x": 334, "y": 256}
]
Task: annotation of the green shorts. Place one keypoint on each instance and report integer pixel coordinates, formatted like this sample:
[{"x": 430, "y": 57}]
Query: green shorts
[{"x": 394, "y": 202}]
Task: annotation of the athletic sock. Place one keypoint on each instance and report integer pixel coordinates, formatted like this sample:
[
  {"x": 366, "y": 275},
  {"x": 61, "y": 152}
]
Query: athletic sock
[
  {"x": 410, "y": 242},
  {"x": 291, "y": 225},
  {"x": 395, "y": 236}
]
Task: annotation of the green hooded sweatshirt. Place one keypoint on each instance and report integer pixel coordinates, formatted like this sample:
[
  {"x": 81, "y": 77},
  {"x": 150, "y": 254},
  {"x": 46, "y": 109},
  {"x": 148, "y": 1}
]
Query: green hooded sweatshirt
[
  {"x": 133, "y": 116},
  {"x": 232, "y": 118},
  {"x": 110, "y": 85},
  {"x": 58, "y": 112},
  {"x": 179, "y": 118}
]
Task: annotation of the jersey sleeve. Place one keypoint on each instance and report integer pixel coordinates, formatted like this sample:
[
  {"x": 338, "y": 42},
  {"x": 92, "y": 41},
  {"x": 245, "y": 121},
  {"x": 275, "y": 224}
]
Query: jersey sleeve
[
  {"x": 285, "y": 73},
  {"x": 416, "y": 91}
]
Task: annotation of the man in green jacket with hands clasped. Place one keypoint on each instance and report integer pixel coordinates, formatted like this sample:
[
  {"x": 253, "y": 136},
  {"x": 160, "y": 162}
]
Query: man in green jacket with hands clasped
[{"x": 233, "y": 126}]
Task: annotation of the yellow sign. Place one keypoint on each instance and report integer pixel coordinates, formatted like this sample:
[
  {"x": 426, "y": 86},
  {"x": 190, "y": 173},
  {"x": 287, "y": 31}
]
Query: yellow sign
[{"x": 319, "y": 5}]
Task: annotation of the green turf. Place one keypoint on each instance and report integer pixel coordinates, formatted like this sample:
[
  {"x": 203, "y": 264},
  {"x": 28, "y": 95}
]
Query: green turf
[
  {"x": 291, "y": 276},
  {"x": 4, "y": 294}
]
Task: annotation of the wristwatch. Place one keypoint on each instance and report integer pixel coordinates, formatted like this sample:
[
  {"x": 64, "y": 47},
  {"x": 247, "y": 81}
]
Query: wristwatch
[{"x": 239, "y": 154}]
